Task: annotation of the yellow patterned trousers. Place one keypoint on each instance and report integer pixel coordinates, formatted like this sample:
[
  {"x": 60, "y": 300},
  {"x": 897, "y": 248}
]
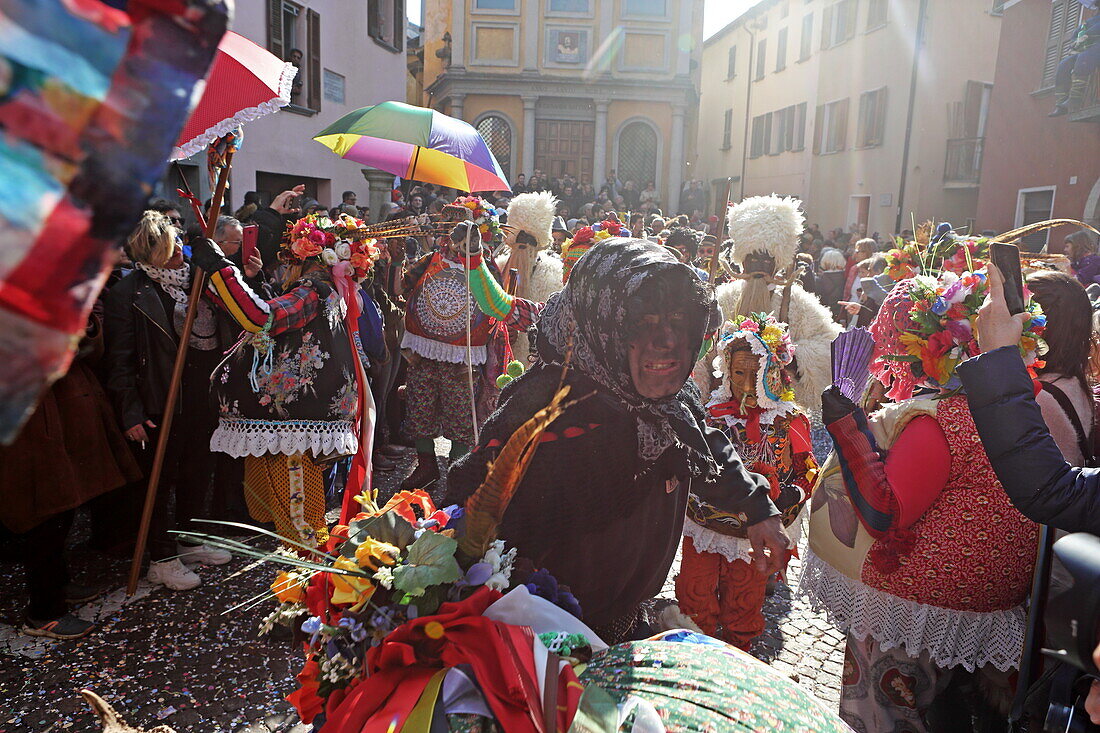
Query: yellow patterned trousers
[{"x": 289, "y": 491}]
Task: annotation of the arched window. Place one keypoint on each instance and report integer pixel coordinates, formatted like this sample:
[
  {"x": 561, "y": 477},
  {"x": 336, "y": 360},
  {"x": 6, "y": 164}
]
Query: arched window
[
  {"x": 637, "y": 160},
  {"x": 497, "y": 132}
]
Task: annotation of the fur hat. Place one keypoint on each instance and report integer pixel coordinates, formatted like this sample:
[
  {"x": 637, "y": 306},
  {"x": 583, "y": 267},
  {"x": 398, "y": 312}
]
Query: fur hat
[
  {"x": 766, "y": 224},
  {"x": 534, "y": 213}
]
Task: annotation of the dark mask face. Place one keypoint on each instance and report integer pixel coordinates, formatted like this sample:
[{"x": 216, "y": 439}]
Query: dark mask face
[
  {"x": 759, "y": 262},
  {"x": 659, "y": 355}
]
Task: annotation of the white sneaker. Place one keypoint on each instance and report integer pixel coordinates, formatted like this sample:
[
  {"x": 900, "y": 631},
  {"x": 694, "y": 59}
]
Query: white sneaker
[
  {"x": 172, "y": 574},
  {"x": 204, "y": 554}
]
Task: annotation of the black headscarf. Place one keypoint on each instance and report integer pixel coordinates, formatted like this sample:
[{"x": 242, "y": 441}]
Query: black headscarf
[{"x": 591, "y": 314}]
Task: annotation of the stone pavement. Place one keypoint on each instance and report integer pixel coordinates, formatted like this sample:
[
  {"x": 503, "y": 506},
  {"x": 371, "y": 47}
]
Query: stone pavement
[{"x": 192, "y": 661}]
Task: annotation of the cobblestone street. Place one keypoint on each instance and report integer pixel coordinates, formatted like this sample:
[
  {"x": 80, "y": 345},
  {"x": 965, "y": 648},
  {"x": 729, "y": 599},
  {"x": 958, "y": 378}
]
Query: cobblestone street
[{"x": 192, "y": 661}]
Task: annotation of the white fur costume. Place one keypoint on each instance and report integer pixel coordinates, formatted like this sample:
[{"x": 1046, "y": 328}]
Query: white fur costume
[
  {"x": 772, "y": 225},
  {"x": 540, "y": 275}
]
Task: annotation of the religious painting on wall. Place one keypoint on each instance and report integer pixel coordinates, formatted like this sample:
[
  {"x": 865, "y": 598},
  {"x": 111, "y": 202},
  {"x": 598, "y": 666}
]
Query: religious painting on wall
[{"x": 567, "y": 46}]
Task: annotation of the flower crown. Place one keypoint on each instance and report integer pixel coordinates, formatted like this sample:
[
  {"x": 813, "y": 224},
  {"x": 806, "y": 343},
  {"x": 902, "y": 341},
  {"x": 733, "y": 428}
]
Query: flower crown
[
  {"x": 485, "y": 215},
  {"x": 330, "y": 241},
  {"x": 598, "y": 232},
  {"x": 770, "y": 340},
  {"x": 926, "y": 329}
]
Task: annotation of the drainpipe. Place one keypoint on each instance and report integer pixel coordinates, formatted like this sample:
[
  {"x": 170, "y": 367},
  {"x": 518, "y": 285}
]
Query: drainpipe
[{"x": 921, "y": 23}]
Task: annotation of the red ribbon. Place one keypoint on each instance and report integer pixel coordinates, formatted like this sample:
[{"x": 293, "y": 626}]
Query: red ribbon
[{"x": 359, "y": 475}]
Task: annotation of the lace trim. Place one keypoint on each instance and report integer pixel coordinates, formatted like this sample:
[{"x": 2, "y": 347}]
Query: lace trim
[
  {"x": 248, "y": 114},
  {"x": 731, "y": 548},
  {"x": 950, "y": 637},
  {"x": 240, "y": 438},
  {"x": 439, "y": 351}
]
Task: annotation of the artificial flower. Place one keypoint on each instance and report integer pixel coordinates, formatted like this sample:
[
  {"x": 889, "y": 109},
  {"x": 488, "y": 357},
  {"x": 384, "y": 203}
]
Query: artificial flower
[
  {"x": 372, "y": 554},
  {"x": 288, "y": 588},
  {"x": 354, "y": 590}
]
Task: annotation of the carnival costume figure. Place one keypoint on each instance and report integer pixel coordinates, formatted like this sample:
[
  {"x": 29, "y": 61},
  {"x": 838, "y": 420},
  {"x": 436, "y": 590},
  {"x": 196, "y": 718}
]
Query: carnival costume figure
[
  {"x": 438, "y": 315},
  {"x": 754, "y": 405},
  {"x": 288, "y": 394},
  {"x": 765, "y": 232},
  {"x": 916, "y": 551}
]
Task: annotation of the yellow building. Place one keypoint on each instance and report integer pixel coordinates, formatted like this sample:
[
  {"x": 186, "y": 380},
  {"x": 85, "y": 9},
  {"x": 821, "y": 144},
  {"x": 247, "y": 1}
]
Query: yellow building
[
  {"x": 583, "y": 87},
  {"x": 872, "y": 112}
]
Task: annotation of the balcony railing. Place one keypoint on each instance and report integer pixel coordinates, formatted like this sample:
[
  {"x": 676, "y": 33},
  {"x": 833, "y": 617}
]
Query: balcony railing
[
  {"x": 964, "y": 160},
  {"x": 1089, "y": 110}
]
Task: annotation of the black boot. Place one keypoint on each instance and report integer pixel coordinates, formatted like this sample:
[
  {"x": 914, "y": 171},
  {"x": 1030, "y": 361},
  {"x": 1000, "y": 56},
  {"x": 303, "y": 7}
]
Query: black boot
[{"x": 425, "y": 473}]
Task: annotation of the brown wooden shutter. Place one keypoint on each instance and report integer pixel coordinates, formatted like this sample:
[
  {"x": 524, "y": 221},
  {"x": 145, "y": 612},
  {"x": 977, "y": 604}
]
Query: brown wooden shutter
[
  {"x": 842, "y": 125},
  {"x": 399, "y": 24},
  {"x": 850, "y": 22},
  {"x": 275, "y": 28},
  {"x": 313, "y": 34},
  {"x": 827, "y": 27},
  {"x": 818, "y": 120}
]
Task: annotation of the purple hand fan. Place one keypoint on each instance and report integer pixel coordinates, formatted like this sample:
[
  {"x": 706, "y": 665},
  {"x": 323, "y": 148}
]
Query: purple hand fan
[{"x": 852, "y": 361}]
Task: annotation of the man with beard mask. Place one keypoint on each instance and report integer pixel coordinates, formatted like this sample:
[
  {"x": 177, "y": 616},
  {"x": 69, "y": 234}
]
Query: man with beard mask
[{"x": 602, "y": 505}]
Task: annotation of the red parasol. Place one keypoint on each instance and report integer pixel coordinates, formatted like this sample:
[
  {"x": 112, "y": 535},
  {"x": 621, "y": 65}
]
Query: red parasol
[{"x": 245, "y": 83}]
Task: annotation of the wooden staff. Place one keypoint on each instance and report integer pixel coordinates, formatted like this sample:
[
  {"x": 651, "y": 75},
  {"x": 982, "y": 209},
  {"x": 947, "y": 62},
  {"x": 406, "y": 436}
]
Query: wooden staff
[
  {"x": 712, "y": 270},
  {"x": 198, "y": 281}
]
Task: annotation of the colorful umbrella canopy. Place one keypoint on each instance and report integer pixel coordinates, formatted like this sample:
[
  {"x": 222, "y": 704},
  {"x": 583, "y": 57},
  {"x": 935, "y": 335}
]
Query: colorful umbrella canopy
[
  {"x": 418, "y": 144},
  {"x": 245, "y": 83}
]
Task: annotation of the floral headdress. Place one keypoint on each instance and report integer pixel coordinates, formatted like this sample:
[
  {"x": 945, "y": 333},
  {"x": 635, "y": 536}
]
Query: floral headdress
[
  {"x": 484, "y": 215},
  {"x": 925, "y": 329},
  {"x": 585, "y": 239},
  {"x": 329, "y": 241},
  {"x": 936, "y": 248},
  {"x": 770, "y": 341}
]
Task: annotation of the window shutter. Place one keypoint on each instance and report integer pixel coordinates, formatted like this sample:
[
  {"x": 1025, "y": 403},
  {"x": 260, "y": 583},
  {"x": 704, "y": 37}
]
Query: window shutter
[
  {"x": 850, "y": 19},
  {"x": 807, "y": 37},
  {"x": 800, "y": 127},
  {"x": 819, "y": 128},
  {"x": 972, "y": 108},
  {"x": 827, "y": 27},
  {"x": 275, "y": 28},
  {"x": 841, "y": 125},
  {"x": 399, "y": 24},
  {"x": 781, "y": 51},
  {"x": 1053, "y": 53},
  {"x": 731, "y": 69},
  {"x": 313, "y": 34},
  {"x": 768, "y": 133},
  {"x": 880, "y": 116}
]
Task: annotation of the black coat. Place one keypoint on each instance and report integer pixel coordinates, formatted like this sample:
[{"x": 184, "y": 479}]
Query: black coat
[{"x": 1024, "y": 456}]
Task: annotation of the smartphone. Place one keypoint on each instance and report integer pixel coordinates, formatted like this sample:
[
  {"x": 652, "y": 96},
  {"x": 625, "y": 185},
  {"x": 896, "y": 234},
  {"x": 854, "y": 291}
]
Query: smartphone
[
  {"x": 249, "y": 241},
  {"x": 1007, "y": 259}
]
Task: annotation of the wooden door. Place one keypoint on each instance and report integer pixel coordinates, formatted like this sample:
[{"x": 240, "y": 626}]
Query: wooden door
[{"x": 564, "y": 147}]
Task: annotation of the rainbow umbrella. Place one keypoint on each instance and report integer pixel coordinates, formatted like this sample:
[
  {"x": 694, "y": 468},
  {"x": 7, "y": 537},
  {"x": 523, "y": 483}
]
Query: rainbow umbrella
[{"x": 417, "y": 144}]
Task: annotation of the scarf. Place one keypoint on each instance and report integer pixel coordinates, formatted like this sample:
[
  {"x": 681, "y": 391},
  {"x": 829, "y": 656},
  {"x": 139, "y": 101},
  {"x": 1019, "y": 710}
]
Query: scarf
[
  {"x": 176, "y": 283},
  {"x": 590, "y": 316}
]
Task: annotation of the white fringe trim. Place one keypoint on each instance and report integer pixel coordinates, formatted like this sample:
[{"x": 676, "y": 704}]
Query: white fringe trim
[
  {"x": 952, "y": 638},
  {"x": 240, "y": 438},
  {"x": 439, "y": 351},
  {"x": 248, "y": 114},
  {"x": 733, "y": 548}
]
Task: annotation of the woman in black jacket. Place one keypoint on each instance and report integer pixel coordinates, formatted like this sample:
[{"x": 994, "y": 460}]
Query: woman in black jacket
[{"x": 143, "y": 316}]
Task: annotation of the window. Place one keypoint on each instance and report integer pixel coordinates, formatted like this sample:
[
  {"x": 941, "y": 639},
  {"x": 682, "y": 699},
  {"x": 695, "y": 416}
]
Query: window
[
  {"x": 876, "y": 14},
  {"x": 294, "y": 34},
  {"x": 1034, "y": 205},
  {"x": 780, "y": 124},
  {"x": 727, "y": 130},
  {"x": 799, "y": 142},
  {"x": 731, "y": 63},
  {"x": 781, "y": 50},
  {"x": 637, "y": 158},
  {"x": 570, "y": 6},
  {"x": 872, "y": 118},
  {"x": 761, "y": 135},
  {"x": 998, "y": 7},
  {"x": 784, "y": 10},
  {"x": 497, "y": 133},
  {"x": 495, "y": 4},
  {"x": 386, "y": 23},
  {"x": 1064, "y": 17},
  {"x": 831, "y": 129},
  {"x": 761, "y": 54},
  {"x": 838, "y": 23},
  {"x": 644, "y": 7},
  {"x": 807, "y": 37}
]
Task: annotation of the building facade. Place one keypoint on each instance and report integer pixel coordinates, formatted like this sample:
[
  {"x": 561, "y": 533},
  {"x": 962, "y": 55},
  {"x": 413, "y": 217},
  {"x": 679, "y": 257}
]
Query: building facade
[
  {"x": 1057, "y": 172},
  {"x": 351, "y": 54},
  {"x": 581, "y": 87},
  {"x": 870, "y": 111}
]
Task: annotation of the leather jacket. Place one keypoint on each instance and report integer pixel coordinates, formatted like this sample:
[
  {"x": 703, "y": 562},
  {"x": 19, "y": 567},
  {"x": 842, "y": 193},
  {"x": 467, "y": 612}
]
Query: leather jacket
[{"x": 141, "y": 349}]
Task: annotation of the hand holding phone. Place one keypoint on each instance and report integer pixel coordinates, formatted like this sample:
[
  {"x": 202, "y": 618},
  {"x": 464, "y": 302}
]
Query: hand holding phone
[
  {"x": 250, "y": 238},
  {"x": 1007, "y": 259}
]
